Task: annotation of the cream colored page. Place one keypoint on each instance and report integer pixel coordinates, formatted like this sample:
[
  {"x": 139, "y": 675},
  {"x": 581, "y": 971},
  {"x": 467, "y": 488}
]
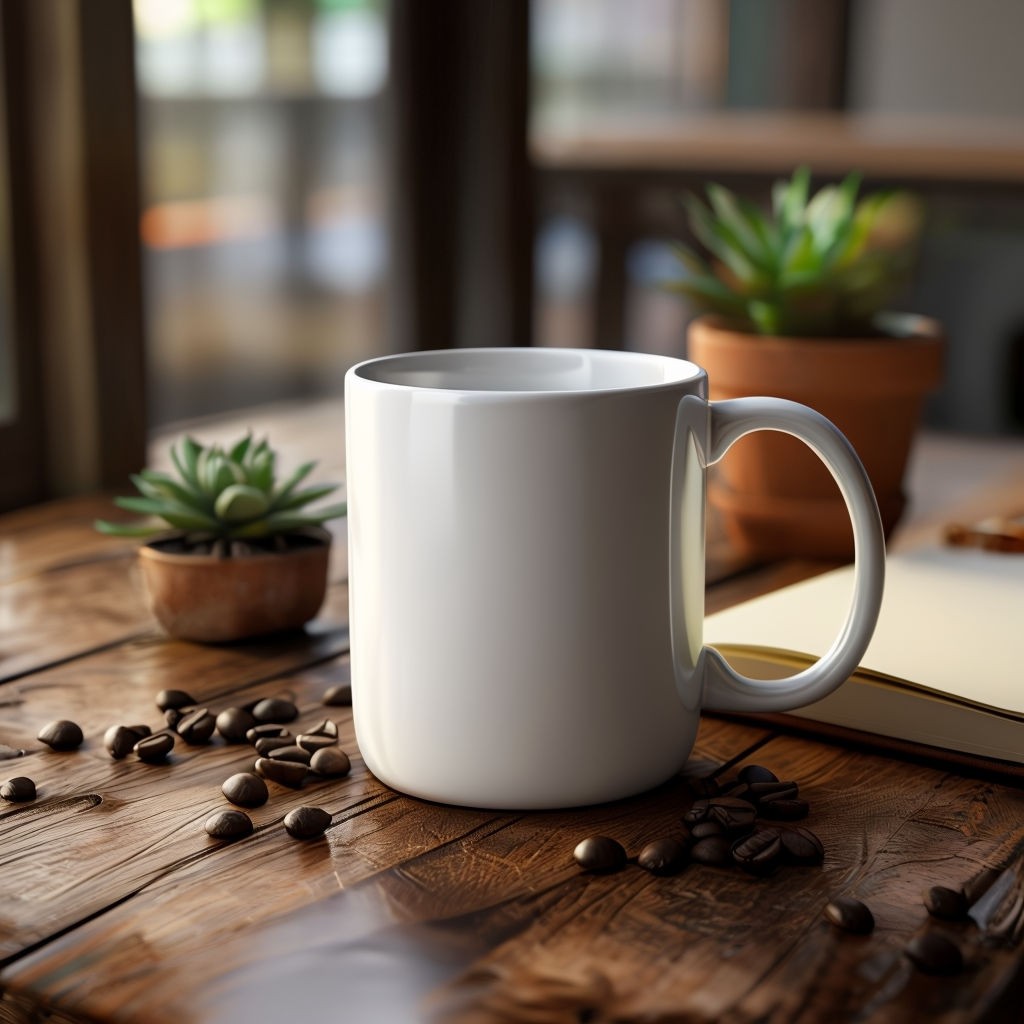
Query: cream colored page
[{"x": 952, "y": 620}]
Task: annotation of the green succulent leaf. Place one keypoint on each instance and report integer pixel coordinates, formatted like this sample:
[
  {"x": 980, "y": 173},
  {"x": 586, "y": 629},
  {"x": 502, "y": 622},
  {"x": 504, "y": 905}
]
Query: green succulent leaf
[
  {"x": 239, "y": 503},
  {"x": 299, "y": 498},
  {"x": 238, "y": 450}
]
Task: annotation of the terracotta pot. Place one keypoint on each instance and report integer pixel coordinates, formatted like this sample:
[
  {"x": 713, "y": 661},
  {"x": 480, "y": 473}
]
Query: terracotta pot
[
  {"x": 774, "y": 497},
  {"x": 212, "y": 599}
]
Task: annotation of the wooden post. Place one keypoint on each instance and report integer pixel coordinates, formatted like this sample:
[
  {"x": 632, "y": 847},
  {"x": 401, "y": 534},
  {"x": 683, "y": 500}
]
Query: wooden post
[{"x": 461, "y": 203}]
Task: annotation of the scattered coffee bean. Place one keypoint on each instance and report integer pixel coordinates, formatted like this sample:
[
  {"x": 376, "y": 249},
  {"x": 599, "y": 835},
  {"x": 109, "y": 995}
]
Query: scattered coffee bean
[
  {"x": 18, "y": 789},
  {"x": 154, "y": 749},
  {"x": 949, "y": 904},
  {"x": 698, "y": 812},
  {"x": 229, "y": 825},
  {"x": 935, "y": 953},
  {"x": 801, "y": 846},
  {"x": 331, "y": 762},
  {"x": 172, "y": 716},
  {"x": 288, "y": 773},
  {"x": 712, "y": 850},
  {"x": 268, "y": 730},
  {"x": 9, "y": 753},
  {"x": 120, "y": 740},
  {"x": 664, "y": 856},
  {"x": 167, "y": 699},
  {"x": 234, "y": 723},
  {"x": 850, "y": 914},
  {"x": 142, "y": 730},
  {"x": 599, "y": 854},
  {"x": 313, "y": 743},
  {"x": 759, "y": 853},
  {"x": 338, "y": 696},
  {"x": 306, "y": 822},
  {"x": 296, "y": 754},
  {"x": 61, "y": 735},
  {"x": 784, "y": 810},
  {"x": 246, "y": 790},
  {"x": 196, "y": 727},
  {"x": 324, "y": 728},
  {"x": 275, "y": 709},
  {"x": 268, "y": 744},
  {"x": 703, "y": 829},
  {"x": 756, "y": 773},
  {"x": 732, "y": 813},
  {"x": 765, "y": 792}
]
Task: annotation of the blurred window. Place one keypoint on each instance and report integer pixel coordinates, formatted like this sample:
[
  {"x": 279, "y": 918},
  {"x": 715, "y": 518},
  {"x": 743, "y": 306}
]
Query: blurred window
[{"x": 262, "y": 227}]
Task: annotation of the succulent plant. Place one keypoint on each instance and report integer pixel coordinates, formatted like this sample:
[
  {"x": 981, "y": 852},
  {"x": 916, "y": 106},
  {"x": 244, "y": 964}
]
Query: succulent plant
[
  {"x": 820, "y": 265},
  {"x": 227, "y": 494}
]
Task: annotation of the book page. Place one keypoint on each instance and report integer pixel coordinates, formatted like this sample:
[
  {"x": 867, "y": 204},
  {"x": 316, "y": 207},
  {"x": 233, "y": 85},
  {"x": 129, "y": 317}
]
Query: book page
[{"x": 952, "y": 620}]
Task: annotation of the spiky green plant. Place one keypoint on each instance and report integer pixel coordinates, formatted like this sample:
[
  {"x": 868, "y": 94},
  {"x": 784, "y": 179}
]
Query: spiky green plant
[
  {"x": 821, "y": 265},
  {"x": 223, "y": 493}
]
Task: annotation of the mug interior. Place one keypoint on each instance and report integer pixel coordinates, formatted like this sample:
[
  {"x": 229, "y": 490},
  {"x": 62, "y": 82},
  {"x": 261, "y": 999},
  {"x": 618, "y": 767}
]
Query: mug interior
[{"x": 541, "y": 370}]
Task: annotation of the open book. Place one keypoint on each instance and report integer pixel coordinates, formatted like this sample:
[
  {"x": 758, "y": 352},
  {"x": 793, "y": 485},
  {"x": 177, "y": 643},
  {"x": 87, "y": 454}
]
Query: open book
[{"x": 945, "y": 667}]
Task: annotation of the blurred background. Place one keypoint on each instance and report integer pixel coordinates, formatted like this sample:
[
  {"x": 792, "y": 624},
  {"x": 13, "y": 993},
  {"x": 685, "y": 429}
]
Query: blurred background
[{"x": 321, "y": 181}]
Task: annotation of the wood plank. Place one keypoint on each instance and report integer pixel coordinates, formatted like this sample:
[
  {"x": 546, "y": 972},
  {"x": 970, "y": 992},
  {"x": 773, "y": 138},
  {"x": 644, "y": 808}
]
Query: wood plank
[{"x": 142, "y": 842}]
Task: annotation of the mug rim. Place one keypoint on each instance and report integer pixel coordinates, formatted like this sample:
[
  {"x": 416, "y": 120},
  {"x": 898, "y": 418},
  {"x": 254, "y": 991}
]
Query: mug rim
[{"x": 685, "y": 371}]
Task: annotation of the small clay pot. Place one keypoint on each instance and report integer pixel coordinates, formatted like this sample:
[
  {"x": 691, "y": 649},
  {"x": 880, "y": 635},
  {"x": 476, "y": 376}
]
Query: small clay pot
[
  {"x": 216, "y": 599},
  {"x": 773, "y": 495}
]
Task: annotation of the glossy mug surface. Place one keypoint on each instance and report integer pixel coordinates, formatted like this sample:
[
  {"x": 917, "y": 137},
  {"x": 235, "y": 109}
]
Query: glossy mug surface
[{"x": 526, "y": 570}]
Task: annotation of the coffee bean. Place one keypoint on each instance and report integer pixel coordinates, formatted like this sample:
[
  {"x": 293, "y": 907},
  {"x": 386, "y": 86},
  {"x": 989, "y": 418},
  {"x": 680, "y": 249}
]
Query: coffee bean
[
  {"x": 712, "y": 850},
  {"x": 599, "y": 854},
  {"x": 324, "y": 728},
  {"x": 756, "y": 773},
  {"x": 765, "y": 792},
  {"x": 664, "y": 856},
  {"x": 154, "y": 749},
  {"x": 735, "y": 788},
  {"x": 306, "y": 822},
  {"x": 167, "y": 699},
  {"x": 288, "y": 773},
  {"x": 234, "y": 723},
  {"x": 268, "y": 730},
  {"x": 120, "y": 740},
  {"x": 331, "y": 762},
  {"x": 338, "y": 696},
  {"x": 703, "y": 829},
  {"x": 268, "y": 744},
  {"x": 783, "y": 810},
  {"x": 935, "y": 953},
  {"x": 197, "y": 727},
  {"x": 18, "y": 789},
  {"x": 850, "y": 914},
  {"x": 732, "y": 813},
  {"x": 313, "y": 743},
  {"x": 698, "y": 812},
  {"x": 10, "y": 753},
  {"x": 246, "y": 790},
  {"x": 949, "y": 904},
  {"x": 275, "y": 709},
  {"x": 61, "y": 735},
  {"x": 296, "y": 754},
  {"x": 229, "y": 825},
  {"x": 141, "y": 730},
  {"x": 759, "y": 853},
  {"x": 172, "y": 716},
  {"x": 801, "y": 846}
]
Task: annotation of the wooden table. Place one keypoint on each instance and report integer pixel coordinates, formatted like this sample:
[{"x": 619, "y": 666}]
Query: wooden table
[{"x": 115, "y": 905}]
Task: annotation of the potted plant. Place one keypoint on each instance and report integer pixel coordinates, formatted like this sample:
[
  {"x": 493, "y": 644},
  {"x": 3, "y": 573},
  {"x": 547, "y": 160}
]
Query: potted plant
[
  {"x": 796, "y": 305},
  {"x": 235, "y": 553}
]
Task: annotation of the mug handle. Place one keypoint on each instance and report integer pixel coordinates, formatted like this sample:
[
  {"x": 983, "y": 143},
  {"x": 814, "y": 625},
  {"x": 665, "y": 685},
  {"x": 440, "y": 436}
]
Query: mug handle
[{"x": 721, "y": 424}]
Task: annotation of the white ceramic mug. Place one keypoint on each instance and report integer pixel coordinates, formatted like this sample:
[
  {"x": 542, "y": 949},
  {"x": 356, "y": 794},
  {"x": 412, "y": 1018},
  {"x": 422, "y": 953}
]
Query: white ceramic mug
[{"x": 526, "y": 570}]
